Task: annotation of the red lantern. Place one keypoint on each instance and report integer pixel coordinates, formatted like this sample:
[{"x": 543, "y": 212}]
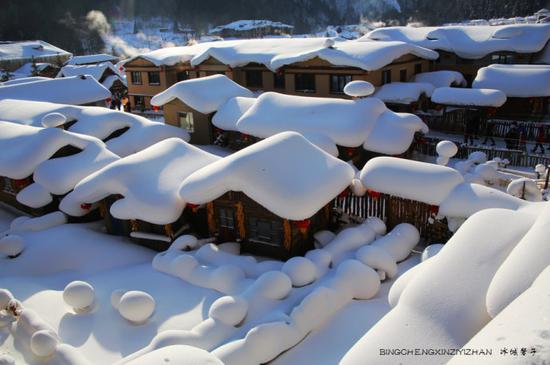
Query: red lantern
[
  {"x": 121, "y": 68},
  {"x": 280, "y": 72},
  {"x": 434, "y": 209},
  {"x": 108, "y": 100},
  {"x": 373, "y": 194},
  {"x": 350, "y": 151},
  {"x": 21, "y": 183},
  {"x": 245, "y": 137},
  {"x": 303, "y": 225},
  {"x": 85, "y": 206},
  {"x": 344, "y": 193},
  {"x": 193, "y": 207},
  {"x": 156, "y": 108}
]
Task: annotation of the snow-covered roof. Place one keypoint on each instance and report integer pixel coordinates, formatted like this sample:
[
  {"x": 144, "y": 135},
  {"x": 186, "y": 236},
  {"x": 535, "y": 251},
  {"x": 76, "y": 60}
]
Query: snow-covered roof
[
  {"x": 277, "y": 52},
  {"x": 441, "y": 78},
  {"x": 244, "y": 25},
  {"x": 231, "y": 111},
  {"x": 27, "y": 49},
  {"x": 468, "y": 97},
  {"x": 403, "y": 92},
  {"x": 205, "y": 94},
  {"x": 346, "y": 122},
  {"x": 148, "y": 180},
  {"x": 24, "y": 80},
  {"x": 420, "y": 181},
  {"x": 26, "y": 69},
  {"x": 96, "y": 70},
  {"x": 98, "y": 122},
  {"x": 285, "y": 173},
  {"x": 472, "y": 42},
  {"x": 521, "y": 81},
  {"x": 27, "y": 150},
  {"x": 93, "y": 58},
  {"x": 68, "y": 90}
]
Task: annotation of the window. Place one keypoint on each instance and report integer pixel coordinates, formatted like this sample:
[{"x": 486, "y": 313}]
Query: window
[
  {"x": 337, "y": 83},
  {"x": 210, "y": 73},
  {"x": 265, "y": 231},
  {"x": 304, "y": 83},
  {"x": 417, "y": 68},
  {"x": 386, "y": 77},
  {"x": 154, "y": 77},
  {"x": 227, "y": 218},
  {"x": 403, "y": 75},
  {"x": 139, "y": 100},
  {"x": 136, "y": 77},
  {"x": 254, "y": 78},
  {"x": 503, "y": 59},
  {"x": 186, "y": 121},
  {"x": 182, "y": 76},
  {"x": 279, "y": 80}
]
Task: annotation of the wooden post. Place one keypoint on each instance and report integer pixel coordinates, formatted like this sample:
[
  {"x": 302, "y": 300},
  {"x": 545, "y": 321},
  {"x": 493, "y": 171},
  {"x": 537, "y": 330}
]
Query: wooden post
[
  {"x": 211, "y": 218},
  {"x": 287, "y": 235},
  {"x": 240, "y": 220}
]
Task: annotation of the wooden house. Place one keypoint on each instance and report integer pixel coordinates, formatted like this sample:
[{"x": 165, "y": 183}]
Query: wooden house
[
  {"x": 105, "y": 73},
  {"x": 138, "y": 195},
  {"x": 15, "y": 54},
  {"x": 270, "y": 197},
  {"x": 251, "y": 29}
]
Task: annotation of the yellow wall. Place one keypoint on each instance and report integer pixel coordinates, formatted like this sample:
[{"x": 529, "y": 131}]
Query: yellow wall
[{"x": 203, "y": 129}]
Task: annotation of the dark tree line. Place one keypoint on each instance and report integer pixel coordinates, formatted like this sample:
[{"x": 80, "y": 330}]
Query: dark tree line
[{"x": 62, "y": 22}]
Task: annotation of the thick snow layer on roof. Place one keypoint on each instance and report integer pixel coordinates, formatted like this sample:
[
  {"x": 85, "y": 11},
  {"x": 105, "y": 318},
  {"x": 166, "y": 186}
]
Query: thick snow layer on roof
[
  {"x": 170, "y": 56},
  {"x": 95, "y": 121},
  {"x": 24, "y": 80},
  {"x": 468, "y": 97},
  {"x": 68, "y": 90},
  {"x": 27, "y": 151},
  {"x": 285, "y": 173},
  {"x": 231, "y": 111},
  {"x": 93, "y": 58},
  {"x": 403, "y": 92},
  {"x": 441, "y": 78},
  {"x": 28, "y": 49},
  {"x": 472, "y": 42},
  {"x": 95, "y": 70},
  {"x": 242, "y": 25},
  {"x": 521, "y": 81},
  {"x": 393, "y": 133},
  {"x": 410, "y": 179},
  {"x": 364, "y": 55},
  {"x": 149, "y": 180},
  {"x": 205, "y": 94},
  {"x": 26, "y": 69},
  {"x": 346, "y": 122}
]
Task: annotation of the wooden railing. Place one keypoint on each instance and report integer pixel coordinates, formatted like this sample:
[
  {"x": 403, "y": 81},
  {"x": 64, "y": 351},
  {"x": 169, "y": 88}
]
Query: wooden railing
[{"x": 394, "y": 210}]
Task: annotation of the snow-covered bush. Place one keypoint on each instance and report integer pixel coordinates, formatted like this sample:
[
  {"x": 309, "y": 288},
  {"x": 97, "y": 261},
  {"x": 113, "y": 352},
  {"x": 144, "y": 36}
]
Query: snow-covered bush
[
  {"x": 300, "y": 270},
  {"x": 44, "y": 343},
  {"x": 400, "y": 241},
  {"x": 12, "y": 245},
  {"x": 322, "y": 238},
  {"x": 525, "y": 188},
  {"x": 377, "y": 225},
  {"x": 272, "y": 285},
  {"x": 136, "y": 306},
  {"x": 80, "y": 296},
  {"x": 349, "y": 239},
  {"x": 359, "y": 280},
  {"x": 378, "y": 259},
  {"x": 445, "y": 150},
  {"x": 230, "y": 310}
]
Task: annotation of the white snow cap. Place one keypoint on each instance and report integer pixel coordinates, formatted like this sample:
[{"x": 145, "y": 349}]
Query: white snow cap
[
  {"x": 149, "y": 180},
  {"x": 28, "y": 49},
  {"x": 403, "y": 92},
  {"x": 285, "y": 173},
  {"x": 346, "y": 122},
  {"x": 27, "y": 150},
  {"x": 231, "y": 111},
  {"x": 469, "y": 97},
  {"x": 441, "y": 78},
  {"x": 94, "y": 121},
  {"x": 89, "y": 59},
  {"x": 472, "y": 42},
  {"x": 205, "y": 94},
  {"x": 69, "y": 90},
  {"x": 409, "y": 179},
  {"x": 99, "y": 71},
  {"x": 520, "y": 81},
  {"x": 358, "y": 88}
]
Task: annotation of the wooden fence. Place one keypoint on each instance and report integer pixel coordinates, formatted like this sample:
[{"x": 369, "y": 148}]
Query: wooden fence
[
  {"x": 394, "y": 210},
  {"x": 516, "y": 157}
]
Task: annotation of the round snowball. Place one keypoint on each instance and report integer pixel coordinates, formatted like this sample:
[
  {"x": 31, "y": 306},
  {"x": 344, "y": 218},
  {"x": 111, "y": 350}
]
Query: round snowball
[
  {"x": 329, "y": 42},
  {"x": 5, "y": 297},
  {"x": 540, "y": 168},
  {"x": 377, "y": 225},
  {"x": 477, "y": 157},
  {"x": 362, "y": 281},
  {"x": 300, "y": 270},
  {"x": 431, "y": 251},
  {"x": 53, "y": 120},
  {"x": 79, "y": 295},
  {"x": 323, "y": 238},
  {"x": 6, "y": 359},
  {"x": 486, "y": 172},
  {"x": 273, "y": 285},
  {"x": 136, "y": 306},
  {"x": 182, "y": 266},
  {"x": 443, "y": 161},
  {"x": 229, "y": 310},
  {"x": 116, "y": 295},
  {"x": 358, "y": 88},
  {"x": 44, "y": 343},
  {"x": 446, "y": 149},
  {"x": 320, "y": 257},
  {"x": 12, "y": 245},
  {"x": 227, "y": 277}
]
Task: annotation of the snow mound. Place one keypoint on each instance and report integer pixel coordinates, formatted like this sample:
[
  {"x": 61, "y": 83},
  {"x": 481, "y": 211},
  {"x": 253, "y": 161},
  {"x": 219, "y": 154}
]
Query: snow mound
[
  {"x": 300, "y": 270},
  {"x": 399, "y": 241},
  {"x": 349, "y": 239},
  {"x": 229, "y": 113},
  {"x": 177, "y": 354},
  {"x": 525, "y": 188},
  {"x": 34, "y": 196},
  {"x": 358, "y": 88},
  {"x": 403, "y": 92},
  {"x": 442, "y": 78},
  {"x": 80, "y": 296},
  {"x": 6, "y": 359},
  {"x": 205, "y": 94},
  {"x": 185, "y": 242},
  {"x": 116, "y": 295},
  {"x": 12, "y": 245},
  {"x": 446, "y": 149},
  {"x": 377, "y": 225},
  {"x": 136, "y": 306},
  {"x": 273, "y": 285},
  {"x": 229, "y": 310},
  {"x": 378, "y": 259},
  {"x": 44, "y": 343},
  {"x": 5, "y": 298},
  {"x": 53, "y": 120},
  {"x": 431, "y": 251},
  {"x": 518, "y": 81},
  {"x": 469, "y": 97},
  {"x": 359, "y": 280}
]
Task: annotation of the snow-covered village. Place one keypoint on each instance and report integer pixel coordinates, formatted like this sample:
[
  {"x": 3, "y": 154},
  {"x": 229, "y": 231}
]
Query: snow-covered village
[{"x": 289, "y": 182}]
